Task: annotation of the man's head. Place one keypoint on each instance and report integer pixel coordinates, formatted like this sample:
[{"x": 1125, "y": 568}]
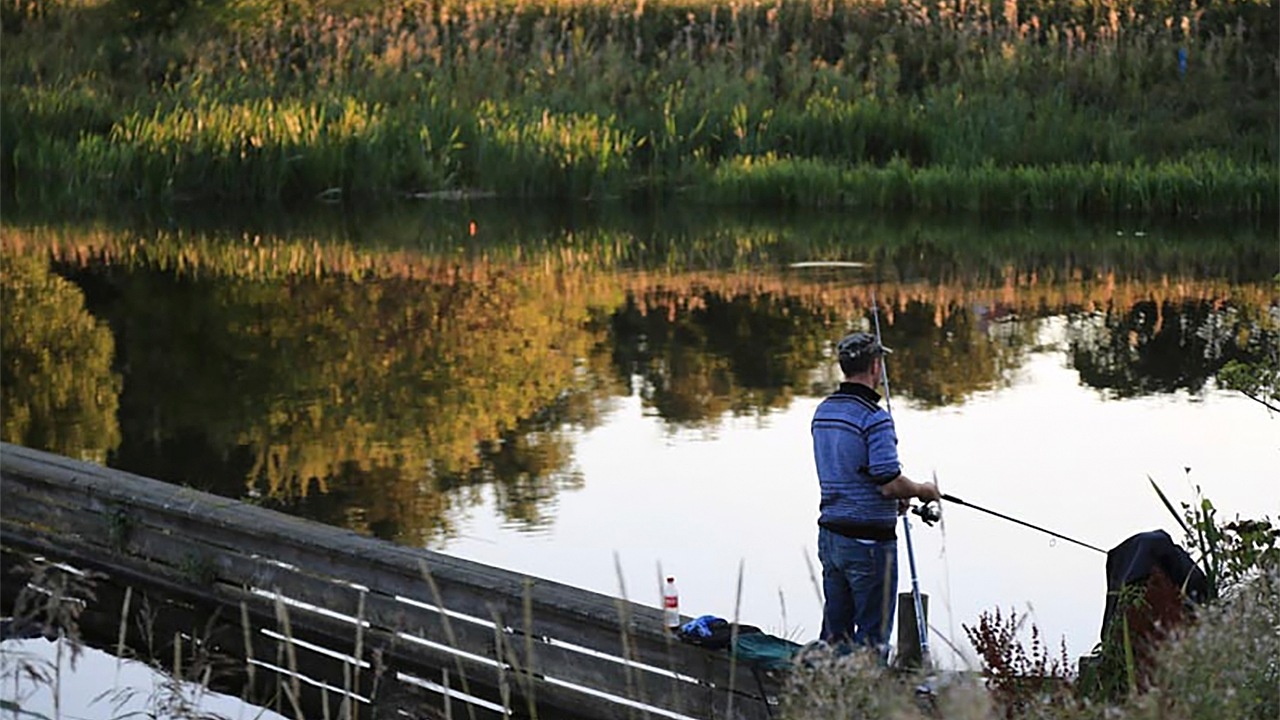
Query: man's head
[{"x": 858, "y": 353}]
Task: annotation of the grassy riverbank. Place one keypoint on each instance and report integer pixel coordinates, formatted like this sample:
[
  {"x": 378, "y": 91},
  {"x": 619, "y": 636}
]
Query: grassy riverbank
[
  {"x": 1118, "y": 106},
  {"x": 1223, "y": 667}
]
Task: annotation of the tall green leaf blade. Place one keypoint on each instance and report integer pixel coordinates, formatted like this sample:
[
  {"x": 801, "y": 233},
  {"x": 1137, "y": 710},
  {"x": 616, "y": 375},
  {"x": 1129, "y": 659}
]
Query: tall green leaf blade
[{"x": 1186, "y": 530}]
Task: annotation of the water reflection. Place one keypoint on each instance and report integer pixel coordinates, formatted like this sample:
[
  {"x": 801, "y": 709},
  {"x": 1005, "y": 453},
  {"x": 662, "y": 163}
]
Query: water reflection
[
  {"x": 942, "y": 357},
  {"x": 389, "y": 388},
  {"x": 1152, "y": 346},
  {"x": 59, "y": 390},
  {"x": 363, "y": 401},
  {"x": 699, "y": 354}
]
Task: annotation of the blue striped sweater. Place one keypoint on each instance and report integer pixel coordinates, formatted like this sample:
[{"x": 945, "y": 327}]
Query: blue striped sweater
[{"x": 855, "y": 448}]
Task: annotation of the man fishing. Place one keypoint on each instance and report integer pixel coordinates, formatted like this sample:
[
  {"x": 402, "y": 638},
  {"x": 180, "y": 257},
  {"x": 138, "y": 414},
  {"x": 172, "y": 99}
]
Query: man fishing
[{"x": 855, "y": 448}]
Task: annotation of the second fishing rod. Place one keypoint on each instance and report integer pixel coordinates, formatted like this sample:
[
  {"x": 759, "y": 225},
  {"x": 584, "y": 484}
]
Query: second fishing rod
[{"x": 922, "y": 625}]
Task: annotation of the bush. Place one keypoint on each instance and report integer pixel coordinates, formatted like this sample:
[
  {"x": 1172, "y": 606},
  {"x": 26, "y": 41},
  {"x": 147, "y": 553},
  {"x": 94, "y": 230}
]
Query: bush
[{"x": 1226, "y": 665}]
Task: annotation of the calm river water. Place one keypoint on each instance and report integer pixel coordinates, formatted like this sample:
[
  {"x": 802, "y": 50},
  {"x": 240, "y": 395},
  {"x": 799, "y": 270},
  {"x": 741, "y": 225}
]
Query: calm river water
[{"x": 602, "y": 399}]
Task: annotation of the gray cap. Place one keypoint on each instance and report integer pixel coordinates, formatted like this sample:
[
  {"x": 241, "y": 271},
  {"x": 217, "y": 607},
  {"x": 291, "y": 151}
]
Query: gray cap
[{"x": 860, "y": 344}]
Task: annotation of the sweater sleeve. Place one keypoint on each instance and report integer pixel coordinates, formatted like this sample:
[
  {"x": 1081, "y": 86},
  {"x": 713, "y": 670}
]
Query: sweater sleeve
[{"x": 882, "y": 451}]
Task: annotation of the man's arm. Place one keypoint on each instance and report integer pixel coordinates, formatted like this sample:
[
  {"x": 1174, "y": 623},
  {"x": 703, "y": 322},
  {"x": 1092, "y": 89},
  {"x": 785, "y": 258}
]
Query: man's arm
[
  {"x": 903, "y": 487},
  {"x": 882, "y": 449}
]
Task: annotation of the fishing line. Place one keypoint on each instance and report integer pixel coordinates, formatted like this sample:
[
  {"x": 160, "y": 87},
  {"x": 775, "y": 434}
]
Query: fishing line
[
  {"x": 1024, "y": 523},
  {"x": 884, "y": 365},
  {"x": 946, "y": 582}
]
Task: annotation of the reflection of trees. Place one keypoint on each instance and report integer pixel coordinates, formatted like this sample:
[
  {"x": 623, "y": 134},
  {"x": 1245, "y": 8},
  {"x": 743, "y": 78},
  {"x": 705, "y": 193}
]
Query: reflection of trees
[
  {"x": 529, "y": 469},
  {"x": 1162, "y": 346},
  {"x": 940, "y": 358},
  {"x": 528, "y": 465},
  {"x": 59, "y": 390},
  {"x": 700, "y": 354},
  {"x": 385, "y": 390}
]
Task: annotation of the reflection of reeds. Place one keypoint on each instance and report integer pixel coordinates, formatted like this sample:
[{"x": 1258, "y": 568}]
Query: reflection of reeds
[{"x": 1025, "y": 290}]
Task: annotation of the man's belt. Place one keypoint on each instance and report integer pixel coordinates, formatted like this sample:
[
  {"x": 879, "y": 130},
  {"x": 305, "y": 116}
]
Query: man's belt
[{"x": 861, "y": 531}]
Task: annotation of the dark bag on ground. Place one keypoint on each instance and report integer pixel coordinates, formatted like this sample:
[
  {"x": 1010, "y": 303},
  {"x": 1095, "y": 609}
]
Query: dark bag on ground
[
  {"x": 749, "y": 644},
  {"x": 1133, "y": 561}
]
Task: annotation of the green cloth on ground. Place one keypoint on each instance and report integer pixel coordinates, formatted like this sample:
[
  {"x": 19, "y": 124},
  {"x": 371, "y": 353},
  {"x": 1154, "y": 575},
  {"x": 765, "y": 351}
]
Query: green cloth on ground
[{"x": 767, "y": 652}]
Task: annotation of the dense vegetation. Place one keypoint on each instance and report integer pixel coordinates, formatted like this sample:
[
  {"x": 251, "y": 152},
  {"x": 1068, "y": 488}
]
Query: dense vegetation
[
  {"x": 1220, "y": 667},
  {"x": 1163, "y": 106}
]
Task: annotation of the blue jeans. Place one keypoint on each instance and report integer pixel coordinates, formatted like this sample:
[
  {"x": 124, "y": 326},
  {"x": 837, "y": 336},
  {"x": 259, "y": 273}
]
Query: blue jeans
[{"x": 860, "y": 584}]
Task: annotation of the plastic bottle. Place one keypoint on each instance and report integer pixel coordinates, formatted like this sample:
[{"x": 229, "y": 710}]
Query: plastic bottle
[{"x": 670, "y": 604}]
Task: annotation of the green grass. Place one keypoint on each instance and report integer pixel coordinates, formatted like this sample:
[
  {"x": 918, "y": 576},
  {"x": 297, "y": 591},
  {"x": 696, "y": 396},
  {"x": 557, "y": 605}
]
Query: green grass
[
  {"x": 1195, "y": 185},
  {"x": 1040, "y": 105}
]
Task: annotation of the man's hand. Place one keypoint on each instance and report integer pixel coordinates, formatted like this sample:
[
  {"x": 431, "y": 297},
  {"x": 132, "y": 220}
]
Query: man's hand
[
  {"x": 928, "y": 492},
  {"x": 904, "y": 488}
]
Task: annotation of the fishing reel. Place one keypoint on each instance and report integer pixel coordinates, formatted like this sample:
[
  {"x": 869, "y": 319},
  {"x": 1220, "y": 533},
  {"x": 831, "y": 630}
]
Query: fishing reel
[{"x": 930, "y": 512}]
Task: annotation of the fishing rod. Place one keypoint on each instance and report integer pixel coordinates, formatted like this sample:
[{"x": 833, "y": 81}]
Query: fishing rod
[
  {"x": 922, "y": 625},
  {"x": 927, "y": 512},
  {"x": 1024, "y": 523}
]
